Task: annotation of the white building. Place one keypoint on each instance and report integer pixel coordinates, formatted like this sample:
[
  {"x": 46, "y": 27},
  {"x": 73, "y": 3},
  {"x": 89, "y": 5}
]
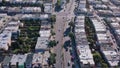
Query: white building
[
  {"x": 40, "y": 59},
  {"x": 42, "y": 44},
  {"x": 5, "y": 40},
  {"x": 45, "y": 33},
  {"x": 17, "y": 61},
  {"x": 107, "y": 43},
  {"x": 83, "y": 50},
  {"x": 48, "y": 7}
]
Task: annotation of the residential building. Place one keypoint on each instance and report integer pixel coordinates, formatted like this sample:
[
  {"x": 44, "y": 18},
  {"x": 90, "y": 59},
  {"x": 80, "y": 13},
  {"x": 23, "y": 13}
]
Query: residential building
[
  {"x": 35, "y": 16},
  {"x": 48, "y": 7},
  {"x": 18, "y": 61},
  {"x": 42, "y": 44},
  {"x": 106, "y": 42},
  {"x": 5, "y": 40},
  {"x": 13, "y": 28},
  {"x": 82, "y": 46},
  {"x": 45, "y": 33},
  {"x": 40, "y": 60},
  {"x": 81, "y": 9},
  {"x": 62, "y": 3},
  {"x": 28, "y": 62},
  {"x": 6, "y": 62}
]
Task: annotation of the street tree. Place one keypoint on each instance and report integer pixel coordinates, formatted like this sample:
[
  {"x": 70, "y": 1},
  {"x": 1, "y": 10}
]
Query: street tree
[
  {"x": 53, "y": 18},
  {"x": 52, "y": 43},
  {"x": 58, "y": 3},
  {"x": 42, "y": 8},
  {"x": 71, "y": 35},
  {"x": 71, "y": 24}
]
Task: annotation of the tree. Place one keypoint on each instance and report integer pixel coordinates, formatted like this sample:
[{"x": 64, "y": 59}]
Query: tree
[
  {"x": 52, "y": 43},
  {"x": 52, "y": 59},
  {"x": 3, "y": 1},
  {"x": 53, "y": 18},
  {"x": 52, "y": 32},
  {"x": 97, "y": 57},
  {"x": 42, "y": 8},
  {"x": 71, "y": 24},
  {"x": 67, "y": 1},
  {"x": 58, "y": 3},
  {"x": 104, "y": 65},
  {"x": 71, "y": 35}
]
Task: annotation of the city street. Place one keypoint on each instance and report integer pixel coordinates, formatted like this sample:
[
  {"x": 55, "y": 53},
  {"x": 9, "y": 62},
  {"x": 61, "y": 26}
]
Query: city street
[{"x": 62, "y": 19}]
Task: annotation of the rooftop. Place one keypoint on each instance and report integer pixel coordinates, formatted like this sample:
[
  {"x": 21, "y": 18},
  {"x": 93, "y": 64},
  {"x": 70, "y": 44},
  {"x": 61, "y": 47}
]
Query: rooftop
[
  {"x": 42, "y": 43},
  {"x": 18, "y": 58}
]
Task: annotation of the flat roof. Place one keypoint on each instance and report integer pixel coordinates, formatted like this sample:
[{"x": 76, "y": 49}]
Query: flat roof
[
  {"x": 44, "y": 33},
  {"x": 37, "y": 58},
  {"x": 18, "y": 58},
  {"x": 112, "y": 57},
  {"x": 29, "y": 59},
  {"x": 85, "y": 54},
  {"x": 41, "y": 58},
  {"x": 83, "y": 49},
  {"x": 6, "y": 60},
  {"x": 5, "y": 40},
  {"x": 42, "y": 43}
]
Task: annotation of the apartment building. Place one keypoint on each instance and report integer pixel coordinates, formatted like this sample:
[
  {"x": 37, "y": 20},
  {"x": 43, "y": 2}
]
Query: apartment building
[{"x": 82, "y": 46}]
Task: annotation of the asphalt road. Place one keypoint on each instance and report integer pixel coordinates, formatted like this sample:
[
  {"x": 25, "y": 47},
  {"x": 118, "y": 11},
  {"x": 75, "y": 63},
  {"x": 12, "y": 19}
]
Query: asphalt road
[{"x": 60, "y": 26}]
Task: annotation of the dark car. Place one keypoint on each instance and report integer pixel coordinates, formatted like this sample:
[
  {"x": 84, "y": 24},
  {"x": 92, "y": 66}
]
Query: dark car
[{"x": 68, "y": 64}]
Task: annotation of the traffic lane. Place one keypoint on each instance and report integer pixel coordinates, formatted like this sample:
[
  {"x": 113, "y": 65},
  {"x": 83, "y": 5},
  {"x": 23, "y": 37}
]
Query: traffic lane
[
  {"x": 67, "y": 56},
  {"x": 67, "y": 59},
  {"x": 59, "y": 29},
  {"x": 59, "y": 37}
]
